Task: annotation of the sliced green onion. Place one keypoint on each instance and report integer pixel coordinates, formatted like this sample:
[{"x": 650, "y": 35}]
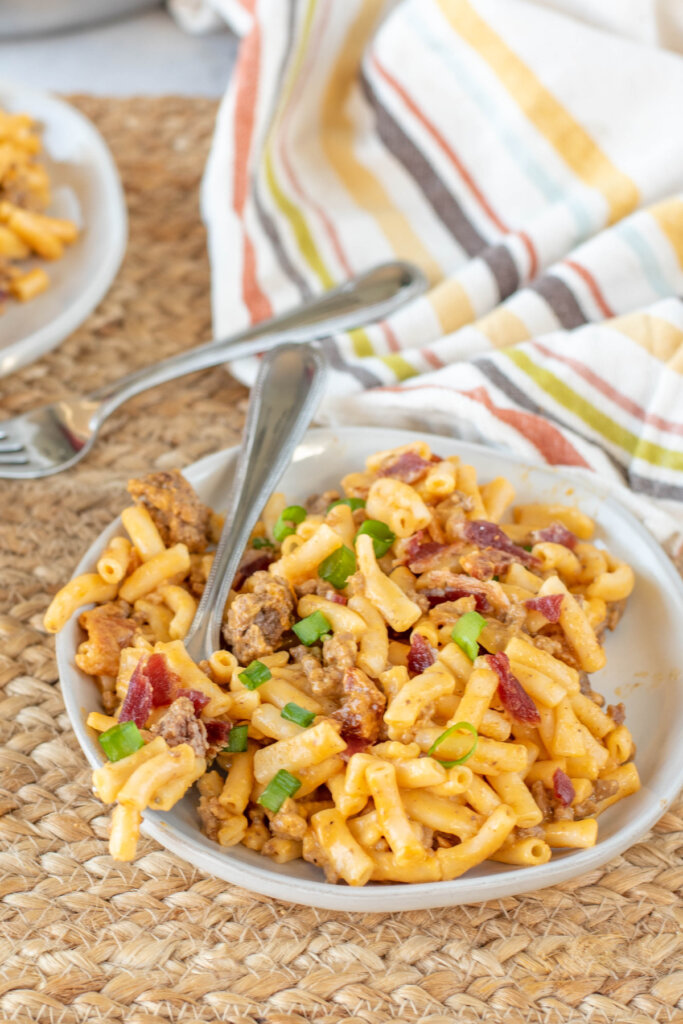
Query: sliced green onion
[
  {"x": 353, "y": 503},
  {"x": 278, "y": 789},
  {"x": 382, "y": 536},
  {"x": 283, "y": 526},
  {"x": 237, "y": 740},
  {"x": 449, "y": 732},
  {"x": 527, "y": 547},
  {"x": 466, "y": 631},
  {"x": 312, "y": 628},
  {"x": 261, "y": 542},
  {"x": 298, "y": 715},
  {"x": 255, "y": 674},
  {"x": 337, "y": 567},
  {"x": 121, "y": 740}
]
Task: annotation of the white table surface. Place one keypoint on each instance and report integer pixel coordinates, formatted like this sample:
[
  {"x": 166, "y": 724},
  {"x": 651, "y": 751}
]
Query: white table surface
[{"x": 146, "y": 54}]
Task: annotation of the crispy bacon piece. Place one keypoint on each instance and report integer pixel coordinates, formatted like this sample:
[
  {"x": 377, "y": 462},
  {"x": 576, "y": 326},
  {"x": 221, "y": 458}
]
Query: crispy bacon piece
[
  {"x": 513, "y": 696},
  {"x": 549, "y": 606},
  {"x": 416, "y": 543},
  {"x": 336, "y": 598},
  {"x": 481, "y": 602},
  {"x": 423, "y": 557},
  {"x": 153, "y": 681},
  {"x": 489, "y": 535},
  {"x": 354, "y": 745},
  {"x": 199, "y": 699},
  {"x": 486, "y": 564},
  {"x": 562, "y": 787},
  {"x": 216, "y": 731},
  {"x": 556, "y": 533},
  {"x": 164, "y": 682},
  {"x": 442, "y": 585},
  {"x": 420, "y": 656},
  {"x": 138, "y": 702},
  {"x": 408, "y": 467}
]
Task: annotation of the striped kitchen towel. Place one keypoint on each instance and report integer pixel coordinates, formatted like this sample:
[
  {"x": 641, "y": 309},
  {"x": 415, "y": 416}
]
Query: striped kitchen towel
[{"x": 531, "y": 164}]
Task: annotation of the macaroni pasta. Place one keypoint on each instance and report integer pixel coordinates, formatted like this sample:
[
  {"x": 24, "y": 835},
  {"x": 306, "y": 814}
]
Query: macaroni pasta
[{"x": 404, "y": 686}]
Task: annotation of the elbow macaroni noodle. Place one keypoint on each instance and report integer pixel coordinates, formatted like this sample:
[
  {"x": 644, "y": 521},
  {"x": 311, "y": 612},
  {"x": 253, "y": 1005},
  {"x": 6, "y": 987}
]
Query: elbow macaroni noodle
[
  {"x": 25, "y": 230},
  {"x": 411, "y": 759}
]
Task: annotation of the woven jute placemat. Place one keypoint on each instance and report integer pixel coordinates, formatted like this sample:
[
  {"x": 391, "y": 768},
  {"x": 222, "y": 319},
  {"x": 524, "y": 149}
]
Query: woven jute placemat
[{"x": 85, "y": 939}]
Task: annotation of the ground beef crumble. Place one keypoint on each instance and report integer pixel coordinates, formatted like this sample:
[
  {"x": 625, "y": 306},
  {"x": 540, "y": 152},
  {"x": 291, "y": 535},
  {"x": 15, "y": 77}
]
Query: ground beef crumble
[
  {"x": 257, "y": 620},
  {"x": 325, "y": 668},
  {"x": 362, "y": 706},
  {"x": 178, "y": 514},
  {"x": 318, "y": 504},
  {"x": 614, "y": 612},
  {"x": 550, "y": 807},
  {"x": 314, "y": 854},
  {"x": 109, "y": 631},
  {"x": 602, "y": 788},
  {"x": 288, "y": 822},
  {"x": 617, "y": 712},
  {"x": 211, "y": 815},
  {"x": 180, "y": 725}
]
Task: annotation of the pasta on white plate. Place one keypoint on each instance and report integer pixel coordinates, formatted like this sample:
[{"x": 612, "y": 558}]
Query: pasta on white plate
[
  {"x": 404, "y": 690},
  {"x": 26, "y": 231}
]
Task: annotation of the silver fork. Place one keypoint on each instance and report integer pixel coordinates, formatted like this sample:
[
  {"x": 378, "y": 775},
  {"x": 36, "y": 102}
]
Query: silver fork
[
  {"x": 56, "y": 436},
  {"x": 287, "y": 391}
]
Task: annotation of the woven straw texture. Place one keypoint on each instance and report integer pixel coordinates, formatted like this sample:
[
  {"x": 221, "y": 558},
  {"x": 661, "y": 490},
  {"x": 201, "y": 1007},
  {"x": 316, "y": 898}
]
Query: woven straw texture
[{"x": 84, "y": 939}]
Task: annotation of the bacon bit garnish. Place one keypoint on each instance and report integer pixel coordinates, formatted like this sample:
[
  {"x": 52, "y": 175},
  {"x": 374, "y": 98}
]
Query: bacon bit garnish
[
  {"x": 414, "y": 543},
  {"x": 252, "y": 561},
  {"x": 164, "y": 682},
  {"x": 336, "y": 598},
  {"x": 562, "y": 787},
  {"x": 408, "y": 467},
  {"x": 423, "y": 555},
  {"x": 513, "y": 696},
  {"x": 489, "y": 535},
  {"x": 484, "y": 565},
  {"x": 549, "y": 606},
  {"x": 433, "y": 555},
  {"x": 556, "y": 533},
  {"x": 481, "y": 601},
  {"x": 137, "y": 704},
  {"x": 354, "y": 745},
  {"x": 216, "y": 731},
  {"x": 420, "y": 656},
  {"x": 199, "y": 699}
]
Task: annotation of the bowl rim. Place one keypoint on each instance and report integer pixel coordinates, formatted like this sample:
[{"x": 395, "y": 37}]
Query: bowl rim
[
  {"x": 30, "y": 346},
  {"x": 396, "y": 897}
]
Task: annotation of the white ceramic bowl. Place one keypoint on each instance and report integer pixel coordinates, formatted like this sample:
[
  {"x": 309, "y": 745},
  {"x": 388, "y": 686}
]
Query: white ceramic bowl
[
  {"x": 85, "y": 188},
  {"x": 643, "y": 669}
]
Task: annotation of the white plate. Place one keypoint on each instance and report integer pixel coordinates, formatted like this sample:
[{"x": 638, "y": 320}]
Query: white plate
[
  {"x": 643, "y": 669},
  {"x": 85, "y": 188}
]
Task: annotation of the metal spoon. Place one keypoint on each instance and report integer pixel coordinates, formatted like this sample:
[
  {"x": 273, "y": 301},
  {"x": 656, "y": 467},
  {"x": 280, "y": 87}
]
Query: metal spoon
[{"x": 283, "y": 401}]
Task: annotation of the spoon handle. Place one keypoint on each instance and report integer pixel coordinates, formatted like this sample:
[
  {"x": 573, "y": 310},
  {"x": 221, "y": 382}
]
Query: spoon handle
[{"x": 283, "y": 401}]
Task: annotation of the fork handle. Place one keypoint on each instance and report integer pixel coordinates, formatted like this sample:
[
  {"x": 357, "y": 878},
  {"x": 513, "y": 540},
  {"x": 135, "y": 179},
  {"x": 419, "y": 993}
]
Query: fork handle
[
  {"x": 369, "y": 297},
  {"x": 283, "y": 401}
]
